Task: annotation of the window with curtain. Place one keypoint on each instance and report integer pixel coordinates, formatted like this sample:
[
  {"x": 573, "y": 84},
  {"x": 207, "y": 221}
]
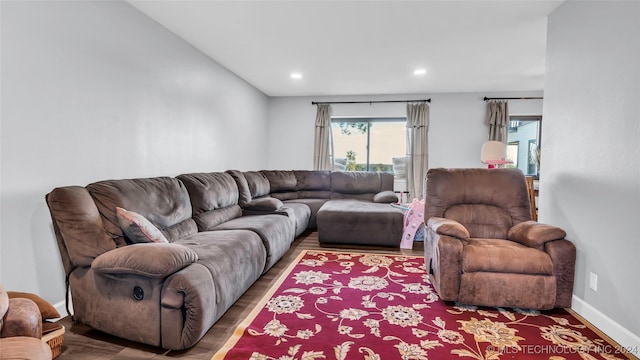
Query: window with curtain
[
  {"x": 369, "y": 144},
  {"x": 524, "y": 132}
]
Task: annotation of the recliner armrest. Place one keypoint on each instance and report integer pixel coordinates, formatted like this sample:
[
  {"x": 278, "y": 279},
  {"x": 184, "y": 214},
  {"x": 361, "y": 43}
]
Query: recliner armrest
[
  {"x": 153, "y": 260},
  {"x": 448, "y": 227},
  {"x": 534, "y": 234},
  {"x": 22, "y": 319}
]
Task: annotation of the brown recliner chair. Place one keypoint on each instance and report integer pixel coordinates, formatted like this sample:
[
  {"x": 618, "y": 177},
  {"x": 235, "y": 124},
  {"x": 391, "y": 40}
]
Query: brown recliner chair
[
  {"x": 481, "y": 247},
  {"x": 21, "y": 329}
]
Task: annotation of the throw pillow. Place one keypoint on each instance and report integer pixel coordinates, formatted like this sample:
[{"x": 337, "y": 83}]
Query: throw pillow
[
  {"x": 137, "y": 228},
  {"x": 46, "y": 310},
  {"x": 386, "y": 196},
  {"x": 264, "y": 204}
]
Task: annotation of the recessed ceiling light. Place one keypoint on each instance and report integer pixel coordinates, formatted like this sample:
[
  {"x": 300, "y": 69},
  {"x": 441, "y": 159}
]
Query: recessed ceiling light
[
  {"x": 420, "y": 72},
  {"x": 296, "y": 76}
]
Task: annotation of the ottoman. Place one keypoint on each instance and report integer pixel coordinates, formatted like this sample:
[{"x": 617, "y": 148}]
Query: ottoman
[{"x": 359, "y": 222}]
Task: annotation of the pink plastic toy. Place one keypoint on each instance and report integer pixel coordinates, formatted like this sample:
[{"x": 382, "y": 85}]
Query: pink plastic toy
[{"x": 413, "y": 222}]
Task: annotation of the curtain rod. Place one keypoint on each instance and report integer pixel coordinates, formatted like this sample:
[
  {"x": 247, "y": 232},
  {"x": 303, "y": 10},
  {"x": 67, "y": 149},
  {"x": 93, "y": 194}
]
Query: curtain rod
[
  {"x": 368, "y": 102},
  {"x": 514, "y": 98}
]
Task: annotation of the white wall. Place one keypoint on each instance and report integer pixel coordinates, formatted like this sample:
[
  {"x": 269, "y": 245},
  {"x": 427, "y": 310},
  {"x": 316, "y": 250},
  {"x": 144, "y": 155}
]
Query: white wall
[
  {"x": 590, "y": 178},
  {"x": 97, "y": 90},
  {"x": 457, "y": 127}
]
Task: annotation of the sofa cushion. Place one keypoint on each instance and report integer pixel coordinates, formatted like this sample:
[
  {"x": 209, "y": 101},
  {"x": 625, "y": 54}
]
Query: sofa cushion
[
  {"x": 276, "y": 231},
  {"x": 244, "y": 193},
  {"x": 300, "y": 214},
  {"x": 208, "y": 220},
  {"x": 281, "y": 181},
  {"x": 289, "y": 195},
  {"x": 355, "y": 182},
  {"x": 443, "y": 192},
  {"x": 266, "y": 203},
  {"x": 137, "y": 228},
  {"x": 214, "y": 197},
  {"x": 162, "y": 200},
  {"x": 482, "y": 221},
  {"x": 386, "y": 196},
  {"x": 504, "y": 256},
  {"x": 210, "y": 191},
  {"x": 235, "y": 259},
  {"x": 367, "y": 197},
  {"x": 314, "y": 194},
  {"x": 319, "y": 180},
  {"x": 313, "y": 204},
  {"x": 258, "y": 183}
]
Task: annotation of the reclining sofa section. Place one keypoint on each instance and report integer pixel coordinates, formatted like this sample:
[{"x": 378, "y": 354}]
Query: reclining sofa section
[{"x": 222, "y": 230}]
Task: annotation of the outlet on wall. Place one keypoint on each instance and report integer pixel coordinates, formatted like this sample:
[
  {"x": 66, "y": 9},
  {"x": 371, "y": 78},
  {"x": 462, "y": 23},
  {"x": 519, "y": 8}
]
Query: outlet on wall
[{"x": 593, "y": 281}]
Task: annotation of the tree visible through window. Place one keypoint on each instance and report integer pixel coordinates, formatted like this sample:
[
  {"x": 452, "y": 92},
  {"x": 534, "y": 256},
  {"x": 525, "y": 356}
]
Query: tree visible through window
[{"x": 368, "y": 144}]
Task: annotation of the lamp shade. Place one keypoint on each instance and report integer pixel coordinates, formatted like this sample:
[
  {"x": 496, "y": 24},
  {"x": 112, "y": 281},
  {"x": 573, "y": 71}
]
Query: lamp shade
[{"x": 493, "y": 153}]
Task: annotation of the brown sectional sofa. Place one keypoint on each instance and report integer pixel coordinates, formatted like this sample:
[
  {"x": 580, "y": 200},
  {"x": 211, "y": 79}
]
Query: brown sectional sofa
[{"x": 223, "y": 231}]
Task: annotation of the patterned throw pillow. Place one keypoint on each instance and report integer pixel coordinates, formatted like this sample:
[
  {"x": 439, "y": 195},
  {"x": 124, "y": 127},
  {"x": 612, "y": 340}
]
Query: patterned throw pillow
[{"x": 137, "y": 228}]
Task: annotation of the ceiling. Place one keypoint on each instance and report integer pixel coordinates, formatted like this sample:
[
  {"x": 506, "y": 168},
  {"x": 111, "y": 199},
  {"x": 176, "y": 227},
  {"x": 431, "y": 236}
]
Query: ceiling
[{"x": 367, "y": 47}]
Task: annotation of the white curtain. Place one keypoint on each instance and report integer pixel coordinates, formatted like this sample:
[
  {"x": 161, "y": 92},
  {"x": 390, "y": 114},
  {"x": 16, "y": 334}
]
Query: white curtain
[
  {"x": 417, "y": 149},
  {"x": 322, "y": 148},
  {"x": 498, "y": 120}
]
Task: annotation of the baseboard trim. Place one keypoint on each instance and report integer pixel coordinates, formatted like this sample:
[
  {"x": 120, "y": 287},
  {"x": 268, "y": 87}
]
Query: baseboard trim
[
  {"x": 62, "y": 309},
  {"x": 608, "y": 326}
]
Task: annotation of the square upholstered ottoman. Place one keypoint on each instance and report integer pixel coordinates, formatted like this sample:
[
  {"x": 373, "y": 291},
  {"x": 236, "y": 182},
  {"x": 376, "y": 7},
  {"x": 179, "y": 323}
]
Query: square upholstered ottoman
[{"x": 359, "y": 222}]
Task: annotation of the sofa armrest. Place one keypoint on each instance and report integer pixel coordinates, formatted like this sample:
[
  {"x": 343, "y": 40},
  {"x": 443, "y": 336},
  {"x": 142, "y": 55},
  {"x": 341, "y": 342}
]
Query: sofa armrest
[
  {"x": 448, "y": 227},
  {"x": 386, "y": 196},
  {"x": 534, "y": 234},
  {"x": 153, "y": 260},
  {"x": 22, "y": 319},
  {"x": 443, "y": 261}
]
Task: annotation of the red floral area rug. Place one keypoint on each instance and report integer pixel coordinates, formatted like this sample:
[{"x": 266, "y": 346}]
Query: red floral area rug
[{"x": 336, "y": 305}]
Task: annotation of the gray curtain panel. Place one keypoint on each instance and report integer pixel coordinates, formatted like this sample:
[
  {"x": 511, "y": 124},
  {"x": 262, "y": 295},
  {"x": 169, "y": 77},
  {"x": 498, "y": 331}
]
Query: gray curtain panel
[
  {"x": 418, "y": 153},
  {"x": 498, "y": 120},
  {"x": 322, "y": 148}
]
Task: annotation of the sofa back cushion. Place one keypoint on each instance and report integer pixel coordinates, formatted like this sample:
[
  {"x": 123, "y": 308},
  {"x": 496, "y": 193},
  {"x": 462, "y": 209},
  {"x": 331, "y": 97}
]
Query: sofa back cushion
[
  {"x": 280, "y": 180},
  {"x": 480, "y": 220},
  {"x": 361, "y": 185},
  {"x": 164, "y": 201},
  {"x": 214, "y": 198},
  {"x": 313, "y": 184},
  {"x": 258, "y": 183},
  {"x": 244, "y": 193},
  {"x": 486, "y": 201}
]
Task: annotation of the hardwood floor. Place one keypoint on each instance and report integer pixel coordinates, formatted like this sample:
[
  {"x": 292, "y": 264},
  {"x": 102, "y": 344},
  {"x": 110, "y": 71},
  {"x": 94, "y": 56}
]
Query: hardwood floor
[{"x": 82, "y": 342}]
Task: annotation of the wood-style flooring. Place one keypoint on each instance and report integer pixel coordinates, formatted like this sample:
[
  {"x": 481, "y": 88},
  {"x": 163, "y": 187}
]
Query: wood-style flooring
[{"x": 83, "y": 343}]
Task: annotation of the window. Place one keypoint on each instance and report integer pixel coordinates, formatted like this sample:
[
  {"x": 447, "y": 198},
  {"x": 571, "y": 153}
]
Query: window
[
  {"x": 368, "y": 144},
  {"x": 523, "y": 141},
  {"x": 513, "y": 148}
]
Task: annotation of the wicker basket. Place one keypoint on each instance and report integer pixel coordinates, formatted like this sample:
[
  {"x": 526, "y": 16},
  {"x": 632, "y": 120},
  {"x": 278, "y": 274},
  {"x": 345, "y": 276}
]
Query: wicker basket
[{"x": 54, "y": 340}]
